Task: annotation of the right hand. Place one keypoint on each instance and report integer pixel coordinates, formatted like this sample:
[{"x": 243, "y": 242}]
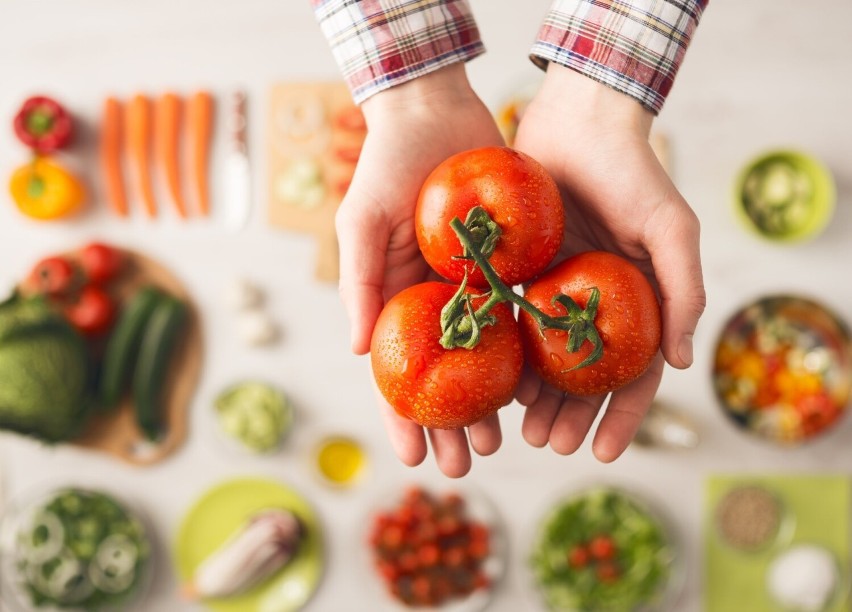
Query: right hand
[{"x": 412, "y": 128}]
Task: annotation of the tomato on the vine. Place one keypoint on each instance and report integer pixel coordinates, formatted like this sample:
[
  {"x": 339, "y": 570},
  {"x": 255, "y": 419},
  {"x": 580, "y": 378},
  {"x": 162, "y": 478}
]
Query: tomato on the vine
[
  {"x": 518, "y": 194},
  {"x": 53, "y": 276},
  {"x": 93, "y": 311},
  {"x": 628, "y": 322},
  {"x": 101, "y": 263},
  {"x": 433, "y": 386}
]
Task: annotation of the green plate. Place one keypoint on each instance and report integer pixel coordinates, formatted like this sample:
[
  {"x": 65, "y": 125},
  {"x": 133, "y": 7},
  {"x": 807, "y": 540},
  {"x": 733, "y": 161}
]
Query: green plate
[
  {"x": 220, "y": 512},
  {"x": 819, "y": 506}
]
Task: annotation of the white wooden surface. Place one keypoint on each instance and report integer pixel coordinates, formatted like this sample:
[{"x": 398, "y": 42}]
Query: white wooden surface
[{"x": 760, "y": 74}]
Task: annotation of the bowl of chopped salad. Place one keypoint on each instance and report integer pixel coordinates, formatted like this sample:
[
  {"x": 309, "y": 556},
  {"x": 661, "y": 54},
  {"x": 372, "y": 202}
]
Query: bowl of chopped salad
[
  {"x": 785, "y": 196},
  {"x": 782, "y": 370},
  {"x": 73, "y": 549},
  {"x": 606, "y": 549}
]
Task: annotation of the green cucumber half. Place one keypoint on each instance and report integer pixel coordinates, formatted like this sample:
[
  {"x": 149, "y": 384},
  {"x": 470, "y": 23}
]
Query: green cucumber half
[
  {"x": 162, "y": 332},
  {"x": 123, "y": 345}
]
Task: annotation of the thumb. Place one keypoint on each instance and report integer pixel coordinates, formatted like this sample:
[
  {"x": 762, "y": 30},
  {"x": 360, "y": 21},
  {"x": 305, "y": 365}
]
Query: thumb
[
  {"x": 363, "y": 236},
  {"x": 676, "y": 257}
]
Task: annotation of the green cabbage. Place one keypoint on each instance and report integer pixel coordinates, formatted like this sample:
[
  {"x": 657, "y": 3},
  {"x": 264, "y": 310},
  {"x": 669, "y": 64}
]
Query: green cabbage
[{"x": 45, "y": 372}]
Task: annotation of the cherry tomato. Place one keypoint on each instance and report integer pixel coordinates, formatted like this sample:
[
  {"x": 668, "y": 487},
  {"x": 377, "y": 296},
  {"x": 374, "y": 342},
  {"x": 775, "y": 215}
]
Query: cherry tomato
[
  {"x": 628, "y": 321},
  {"x": 92, "y": 312},
  {"x": 602, "y": 548},
  {"x": 608, "y": 573},
  {"x": 433, "y": 386},
  {"x": 53, "y": 276},
  {"x": 518, "y": 194},
  {"x": 578, "y": 557},
  {"x": 101, "y": 263}
]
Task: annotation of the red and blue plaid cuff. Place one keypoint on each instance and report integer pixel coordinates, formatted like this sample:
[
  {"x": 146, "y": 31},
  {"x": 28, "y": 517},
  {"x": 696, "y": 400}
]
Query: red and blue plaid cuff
[
  {"x": 379, "y": 44},
  {"x": 633, "y": 46}
]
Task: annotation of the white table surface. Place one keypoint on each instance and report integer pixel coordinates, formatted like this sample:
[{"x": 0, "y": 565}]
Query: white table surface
[{"x": 760, "y": 74}]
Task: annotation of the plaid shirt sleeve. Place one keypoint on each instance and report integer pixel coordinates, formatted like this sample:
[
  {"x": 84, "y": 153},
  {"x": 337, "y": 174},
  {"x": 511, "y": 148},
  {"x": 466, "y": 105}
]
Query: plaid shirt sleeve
[
  {"x": 633, "y": 46},
  {"x": 382, "y": 43}
]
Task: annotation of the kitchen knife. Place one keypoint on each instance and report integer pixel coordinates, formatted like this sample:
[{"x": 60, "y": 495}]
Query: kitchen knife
[{"x": 237, "y": 170}]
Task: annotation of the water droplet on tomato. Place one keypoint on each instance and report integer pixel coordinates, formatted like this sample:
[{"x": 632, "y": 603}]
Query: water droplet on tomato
[
  {"x": 510, "y": 221},
  {"x": 557, "y": 360},
  {"x": 414, "y": 366}
]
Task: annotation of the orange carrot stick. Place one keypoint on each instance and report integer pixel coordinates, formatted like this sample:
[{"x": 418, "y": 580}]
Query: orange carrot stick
[
  {"x": 167, "y": 126},
  {"x": 110, "y": 153},
  {"x": 139, "y": 141},
  {"x": 201, "y": 128}
]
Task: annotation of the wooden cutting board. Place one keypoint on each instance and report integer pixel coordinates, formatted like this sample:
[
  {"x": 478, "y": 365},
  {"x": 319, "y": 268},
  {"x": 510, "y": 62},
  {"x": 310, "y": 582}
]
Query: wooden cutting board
[
  {"x": 313, "y": 124},
  {"x": 115, "y": 432}
]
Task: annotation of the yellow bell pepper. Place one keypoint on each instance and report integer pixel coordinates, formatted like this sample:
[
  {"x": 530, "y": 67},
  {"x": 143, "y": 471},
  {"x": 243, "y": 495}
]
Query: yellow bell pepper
[{"x": 42, "y": 189}]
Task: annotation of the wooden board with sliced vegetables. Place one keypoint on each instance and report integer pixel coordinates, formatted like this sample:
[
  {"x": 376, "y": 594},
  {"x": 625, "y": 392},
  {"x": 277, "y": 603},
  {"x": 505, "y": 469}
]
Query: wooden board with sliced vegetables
[
  {"x": 315, "y": 135},
  {"x": 144, "y": 344}
]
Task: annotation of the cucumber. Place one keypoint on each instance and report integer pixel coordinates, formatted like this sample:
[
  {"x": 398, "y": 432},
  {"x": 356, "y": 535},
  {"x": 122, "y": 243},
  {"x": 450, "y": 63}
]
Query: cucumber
[
  {"x": 123, "y": 345},
  {"x": 158, "y": 342}
]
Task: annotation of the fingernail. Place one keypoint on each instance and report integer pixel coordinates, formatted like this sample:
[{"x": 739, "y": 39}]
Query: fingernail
[{"x": 684, "y": 350}]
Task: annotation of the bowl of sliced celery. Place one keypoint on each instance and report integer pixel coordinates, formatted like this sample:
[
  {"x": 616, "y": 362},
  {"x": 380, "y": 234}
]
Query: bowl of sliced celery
[
  {"x": 605, "y": 549},
  {"x": 785, "y": 196},
  {"x": 73, "y": 549}
]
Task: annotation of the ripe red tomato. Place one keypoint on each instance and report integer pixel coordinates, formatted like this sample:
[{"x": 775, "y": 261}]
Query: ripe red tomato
[
  {"x": 53, "y": 276},
  {"x": 518, "y": 194},
  {"x": 628, "y": 321},
  {"x": 608, "y": 573},
  {"x": 93, "y": 311},
  {"x": 602, "y": 548},
  {"x": 100, "y": 262},
  {"x": 433, "y": 386},
  {"x": 578, "y": 557}
]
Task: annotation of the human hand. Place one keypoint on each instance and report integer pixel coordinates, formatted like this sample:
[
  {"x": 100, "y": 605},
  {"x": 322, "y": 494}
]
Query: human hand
[
  {"x": 618, "y": 198},
  {"x": 412, "y": 128}
]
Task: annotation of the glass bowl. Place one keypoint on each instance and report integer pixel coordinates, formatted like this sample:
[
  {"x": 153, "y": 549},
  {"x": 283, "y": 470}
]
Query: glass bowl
[
  {"x": 477, "y": 510},
  {"x": 785, "y": 196},
  {"x": 64, "y": 532},
  {"x": 781, "y": 369},
  {"x": 604, "y": 548}
]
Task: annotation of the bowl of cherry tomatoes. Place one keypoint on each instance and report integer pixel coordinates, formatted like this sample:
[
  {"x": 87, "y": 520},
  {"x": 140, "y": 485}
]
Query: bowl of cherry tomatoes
[
  {"x": 436, "y": 550},
  {"x": 782, "y": 369}
]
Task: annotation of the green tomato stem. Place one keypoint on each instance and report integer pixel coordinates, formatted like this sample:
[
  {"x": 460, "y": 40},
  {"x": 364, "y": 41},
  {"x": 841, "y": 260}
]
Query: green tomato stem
[{"x": 461, "y": 329}]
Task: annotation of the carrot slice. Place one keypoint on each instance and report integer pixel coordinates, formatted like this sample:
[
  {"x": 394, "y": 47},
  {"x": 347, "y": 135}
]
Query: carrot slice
[
  {"x": 201, "y": 128},
  {"x": 167, "y": 125},
  {"x": 110, "y": 154},
  {"x": 139, "y": 141}
]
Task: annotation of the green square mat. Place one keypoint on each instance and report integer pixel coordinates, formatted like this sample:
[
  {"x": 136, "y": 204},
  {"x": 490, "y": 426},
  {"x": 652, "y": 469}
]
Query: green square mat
[{"x": 735, "y": 581}]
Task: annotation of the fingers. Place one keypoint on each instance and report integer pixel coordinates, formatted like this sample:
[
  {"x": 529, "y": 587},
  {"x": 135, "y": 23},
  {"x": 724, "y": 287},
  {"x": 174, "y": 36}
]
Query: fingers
[
  {"x": 451, "y": 451},
  {"x": 363, "y": 236},
  {"x": 529, "y": 387},
  {"x": 406, "y": 437},
  {"x": 573, "y": 422},
  {"x": 627, "y": 407},
  {"x": 675, "y": 255},
  {"x": 485, "y": 436},
  {"x": 540, "y": 415}
]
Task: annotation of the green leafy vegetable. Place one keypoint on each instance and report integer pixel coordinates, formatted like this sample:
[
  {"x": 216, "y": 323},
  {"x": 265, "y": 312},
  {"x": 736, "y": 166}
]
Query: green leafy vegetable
[{"x": 45, "y": 372}]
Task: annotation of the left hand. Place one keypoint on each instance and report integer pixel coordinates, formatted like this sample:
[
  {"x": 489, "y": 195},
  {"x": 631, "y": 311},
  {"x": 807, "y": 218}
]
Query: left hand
[{"x": 618, "y": 198}]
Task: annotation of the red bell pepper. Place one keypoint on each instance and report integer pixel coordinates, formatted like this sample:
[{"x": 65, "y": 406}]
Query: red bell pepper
[{"x": 43, "y": 124}]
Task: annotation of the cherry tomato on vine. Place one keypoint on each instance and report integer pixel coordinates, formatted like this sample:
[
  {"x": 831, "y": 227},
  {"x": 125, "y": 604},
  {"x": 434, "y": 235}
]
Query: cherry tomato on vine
[
  {"x": 433, "y": 386},
  {"x": 100, "y": 262},
  {"x": 627, "y": 320},
  {"x": 53, "y": 276},
  {"x": 92, "y": 312},
  {"x": 518, "y": 194}
]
